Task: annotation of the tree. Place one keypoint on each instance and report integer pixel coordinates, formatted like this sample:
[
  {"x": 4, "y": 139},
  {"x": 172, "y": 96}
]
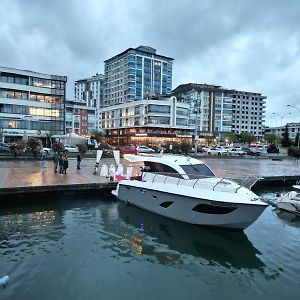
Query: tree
[
  {"x": 96, "y": 135},
  {"x": 285, "y": 141},
  {"x": 34, "y": 145},
  {"x": 297, "y": 138},
  {"x": 82, "y": 148},
  {"x": 247, "y": 137},
  {"x": 17, "y": 147},
  {"x": 57, "y": 147},
  {"x": 230, "y": 136},
  {"x": 185, "y": 147},
  {"x": 270, "y": 138}
]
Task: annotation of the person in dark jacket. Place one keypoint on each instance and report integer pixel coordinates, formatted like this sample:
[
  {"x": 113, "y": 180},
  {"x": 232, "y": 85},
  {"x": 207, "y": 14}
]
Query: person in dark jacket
[
  {"x": 78, "y": 161},
  {"x": 65, "y": 164},
  {"x": 61, "y": 165},
  {"x": 55, "y": 161}
]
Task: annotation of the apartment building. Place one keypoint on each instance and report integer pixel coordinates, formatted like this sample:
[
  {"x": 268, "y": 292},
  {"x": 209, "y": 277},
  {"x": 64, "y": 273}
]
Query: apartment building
[
  {"x": 135, "y": 74},
  {"x": 215, "y": 109},
  {"x": 80, "y": 118},
  {"x": 31, "y": 102}
]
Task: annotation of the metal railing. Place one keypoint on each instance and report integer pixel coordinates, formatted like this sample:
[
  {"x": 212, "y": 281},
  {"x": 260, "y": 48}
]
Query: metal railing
[{"x": 178, "y": 179}]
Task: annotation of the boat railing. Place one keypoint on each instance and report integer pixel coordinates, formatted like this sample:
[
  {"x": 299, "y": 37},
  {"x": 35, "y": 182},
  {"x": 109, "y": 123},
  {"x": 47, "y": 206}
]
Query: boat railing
[{"x": 224, "y": 183}]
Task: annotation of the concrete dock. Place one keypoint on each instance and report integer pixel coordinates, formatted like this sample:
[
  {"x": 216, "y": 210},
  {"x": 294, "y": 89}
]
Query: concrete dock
[{"x": 24, "y": 179}]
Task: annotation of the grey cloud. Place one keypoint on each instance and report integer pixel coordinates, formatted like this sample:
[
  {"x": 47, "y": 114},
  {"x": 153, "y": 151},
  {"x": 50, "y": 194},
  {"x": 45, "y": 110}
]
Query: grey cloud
[{"x": 252, "y": 45}]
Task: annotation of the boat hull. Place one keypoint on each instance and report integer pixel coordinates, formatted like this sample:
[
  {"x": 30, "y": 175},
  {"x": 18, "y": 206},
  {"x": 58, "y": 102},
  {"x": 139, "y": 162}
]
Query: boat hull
[
  {"x": 193, "y": 210},
  {"x": 290, "y": 206}
]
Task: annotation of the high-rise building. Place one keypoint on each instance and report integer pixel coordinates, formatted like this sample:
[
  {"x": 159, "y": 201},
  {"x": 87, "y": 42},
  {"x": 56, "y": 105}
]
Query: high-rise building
[
  {"x": 248, "y": 112},
  {"x": 89, "y": 92},
  {"x": 215, "y": 109},
  {"x": 31, "y": 102},
  {"x": 135, "y": 74}
]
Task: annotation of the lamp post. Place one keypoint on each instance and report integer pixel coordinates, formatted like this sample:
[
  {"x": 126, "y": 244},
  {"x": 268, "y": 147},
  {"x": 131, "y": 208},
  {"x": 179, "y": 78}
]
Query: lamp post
[
  {"x": 281, "y": 117},
  {"x": 298, "y": 123},
  {"x": 274, "y": 119},
  {"x": 197, "y": 111}
]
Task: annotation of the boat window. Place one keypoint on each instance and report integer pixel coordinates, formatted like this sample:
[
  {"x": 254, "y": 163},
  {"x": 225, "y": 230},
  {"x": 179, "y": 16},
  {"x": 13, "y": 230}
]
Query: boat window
[
  {"x": 196, "y": 171},
  {"x": 155, "y": 167},
  {"x": 213, "y": 210},
  {"x": 166, "y": 204}
]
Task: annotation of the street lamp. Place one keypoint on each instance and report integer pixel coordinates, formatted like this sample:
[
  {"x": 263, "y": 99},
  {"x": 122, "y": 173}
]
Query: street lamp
[
  {"x": 298, "y": 123},
  {"x": 281, "y": 117},
  {"x": 197, "y": 111},
  {"x": 274, "y": 119}
]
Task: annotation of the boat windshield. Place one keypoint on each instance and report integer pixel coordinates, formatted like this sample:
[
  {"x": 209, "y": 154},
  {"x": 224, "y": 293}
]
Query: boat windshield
[
  {"x": 196, "y": 171},
  {"x": 156, "y": 167}
]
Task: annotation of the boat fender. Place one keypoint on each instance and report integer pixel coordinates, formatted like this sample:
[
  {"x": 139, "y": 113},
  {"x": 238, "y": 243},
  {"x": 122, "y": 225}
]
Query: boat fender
[
  {"x": 4, "y": 280},
  {"x": 142, "y": 227}
]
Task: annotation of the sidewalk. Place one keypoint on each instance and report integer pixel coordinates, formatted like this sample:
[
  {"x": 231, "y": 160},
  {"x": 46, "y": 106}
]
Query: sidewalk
[{"x": 24, "y": 173}]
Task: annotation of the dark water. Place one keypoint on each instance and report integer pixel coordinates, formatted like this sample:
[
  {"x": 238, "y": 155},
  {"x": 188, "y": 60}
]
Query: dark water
[{"x": 101, "y": 249}]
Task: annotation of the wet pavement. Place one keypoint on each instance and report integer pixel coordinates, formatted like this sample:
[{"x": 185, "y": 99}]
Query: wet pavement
[{"x": 24, "y": 173}]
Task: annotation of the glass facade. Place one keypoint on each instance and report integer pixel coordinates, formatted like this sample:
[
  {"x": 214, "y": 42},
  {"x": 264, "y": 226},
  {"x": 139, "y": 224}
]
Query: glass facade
[
  {"x": 136, "y": 74},
  {"x": 41, "y": 108}
]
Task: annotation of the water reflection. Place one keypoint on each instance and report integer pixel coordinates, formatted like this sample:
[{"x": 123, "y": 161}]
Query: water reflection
[
  {"x": 216, "y": 246},
  {"x": 23, "y": 229},
  {"x": 288, "y": 218}
]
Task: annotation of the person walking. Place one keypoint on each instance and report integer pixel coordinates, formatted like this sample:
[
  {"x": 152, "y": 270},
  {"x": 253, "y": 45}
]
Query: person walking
[
  {"x": 61, "y": 165},
  {"x": 78, "y": 161},
  {"x": 65, "y": 164},
  {"x": 43, "y": 161},
  {"x": 55, "y": 161}
]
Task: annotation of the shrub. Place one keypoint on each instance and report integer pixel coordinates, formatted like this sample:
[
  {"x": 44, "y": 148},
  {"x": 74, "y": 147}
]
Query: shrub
[
  {"x": 82, "y": 148},
  {"x": 57, "y": 147},
  {"x": 185, "y": 147},
  {"x": 34, "y": 145},
  {"x": 17, "y": 147}
]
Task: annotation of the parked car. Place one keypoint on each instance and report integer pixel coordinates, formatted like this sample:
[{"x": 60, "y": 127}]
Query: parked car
[
  {"x": 217, "y": 151},
  {"x": 199, "y": 150},
  {"x": 46, "y": 150},
  {"x": 272, "y": 149},
  {"x": 71, "y": 148},
  {"x": 236, "y": 151},
  {"x": 4, "y": 147},
  {"x": 145, "y": 149},
  {"x": 127, "y": 150},
  {"x": 251, "y": 151}
]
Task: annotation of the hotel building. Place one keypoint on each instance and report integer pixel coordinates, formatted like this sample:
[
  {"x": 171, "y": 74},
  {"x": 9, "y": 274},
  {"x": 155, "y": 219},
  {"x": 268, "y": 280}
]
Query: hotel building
[
  {"x": 135, "y": 74},
  {"x": 31, "y": 102}
]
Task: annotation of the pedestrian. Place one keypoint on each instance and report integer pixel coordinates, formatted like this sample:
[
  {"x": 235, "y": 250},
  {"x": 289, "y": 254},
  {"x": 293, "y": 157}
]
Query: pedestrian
[
  {"x": 55, "y": 161},
  {"x": 171, "y": 148},
  {"x": 61, "y": 165},
  {"x": 65, "y": 164},
  {"x": 78, "y": 161},
  {"x": 43, "y": 161}
]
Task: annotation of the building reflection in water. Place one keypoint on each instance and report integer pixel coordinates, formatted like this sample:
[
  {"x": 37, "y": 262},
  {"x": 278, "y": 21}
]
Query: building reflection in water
[{"x": 168, "y": 242}]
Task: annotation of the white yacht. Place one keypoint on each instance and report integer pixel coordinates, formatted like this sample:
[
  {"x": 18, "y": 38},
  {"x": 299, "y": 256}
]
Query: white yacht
[
  {"x": 186, "y": 189},
  {"x": 290, "y": 201}
]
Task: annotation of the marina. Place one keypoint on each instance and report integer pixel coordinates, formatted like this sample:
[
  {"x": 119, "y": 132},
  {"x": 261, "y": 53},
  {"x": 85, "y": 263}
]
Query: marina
[
  {"x": 95, "y": 247},
  {"x": 70, "y": 235}
]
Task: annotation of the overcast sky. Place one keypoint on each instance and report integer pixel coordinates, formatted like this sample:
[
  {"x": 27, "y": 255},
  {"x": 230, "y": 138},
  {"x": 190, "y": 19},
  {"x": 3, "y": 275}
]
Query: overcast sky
[{"x": 249, "y": 45}]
